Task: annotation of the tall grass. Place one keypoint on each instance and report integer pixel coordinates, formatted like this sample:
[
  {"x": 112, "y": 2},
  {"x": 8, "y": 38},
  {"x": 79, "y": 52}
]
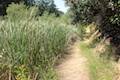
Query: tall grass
[
  {"x": 100, "y": 69},
  {"x": 30, "y": 47}
]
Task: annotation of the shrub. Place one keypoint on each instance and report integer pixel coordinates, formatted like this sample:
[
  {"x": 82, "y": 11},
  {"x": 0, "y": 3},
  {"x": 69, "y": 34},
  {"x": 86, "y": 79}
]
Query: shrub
[
  {"x": 30, "y": 48},
  {"x": 21, "y": 11}
]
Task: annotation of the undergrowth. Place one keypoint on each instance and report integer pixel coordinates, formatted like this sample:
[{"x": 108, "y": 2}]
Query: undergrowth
[
  {"x": 30, "y": 45},
  {"x": 100, "y": 68}
]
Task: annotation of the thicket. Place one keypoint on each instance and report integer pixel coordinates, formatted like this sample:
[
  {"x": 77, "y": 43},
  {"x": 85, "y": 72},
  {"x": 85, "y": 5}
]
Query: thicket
[
  {"x": 30, "y": 45},
  {"x": 105, "y": 14},
  {"x": 43, "y": 6}
]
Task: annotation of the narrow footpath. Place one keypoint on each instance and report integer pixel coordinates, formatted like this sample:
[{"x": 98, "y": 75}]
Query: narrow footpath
[{"x": 74, "y": 66}]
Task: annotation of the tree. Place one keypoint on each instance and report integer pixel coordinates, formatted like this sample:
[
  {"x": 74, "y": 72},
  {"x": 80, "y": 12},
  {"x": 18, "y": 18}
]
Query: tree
[
  {"x": 4, "y": 4},
  {"x": 43, "y": 5},
  {"x": 105, "y": 13}
]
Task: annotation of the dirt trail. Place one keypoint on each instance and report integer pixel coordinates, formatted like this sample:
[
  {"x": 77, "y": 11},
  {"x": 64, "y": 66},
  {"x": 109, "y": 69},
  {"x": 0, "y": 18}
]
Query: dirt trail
[
  {"x": 117, "y": 67},
  {"x": 73, "y": 67}
]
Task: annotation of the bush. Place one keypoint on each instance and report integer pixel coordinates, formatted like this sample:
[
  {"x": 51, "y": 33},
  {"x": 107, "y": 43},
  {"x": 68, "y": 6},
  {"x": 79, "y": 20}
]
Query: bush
[
  {"x": 21, "y": 11},
  {"x": 30, "y": 48}
]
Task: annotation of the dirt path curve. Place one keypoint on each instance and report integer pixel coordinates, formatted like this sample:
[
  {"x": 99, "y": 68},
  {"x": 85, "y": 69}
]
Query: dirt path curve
[{"x": 73, "y": 67}]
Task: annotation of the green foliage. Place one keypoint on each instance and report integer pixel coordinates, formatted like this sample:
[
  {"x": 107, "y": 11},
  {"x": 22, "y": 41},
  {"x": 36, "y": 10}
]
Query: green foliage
[
  {"x": 100, "y": 69},
  {"x": 105, "y": 13},
  {"x": 4, "y": 4},
  {"x": 80, "y": 9},
  {"x": 21, "y": 11},
  {"x": 81, "y": 30},
  {"x": 44, "y": 5},
  {"x": 30, "y": 46}
]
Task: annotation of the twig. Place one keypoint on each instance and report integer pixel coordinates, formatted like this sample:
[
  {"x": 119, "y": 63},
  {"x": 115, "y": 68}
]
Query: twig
[{"x": 36, "y": 75}]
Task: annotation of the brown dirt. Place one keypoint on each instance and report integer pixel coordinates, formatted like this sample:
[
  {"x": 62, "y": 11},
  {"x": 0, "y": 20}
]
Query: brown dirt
[
  {"x": 117, "y": 68},
  {"x": 73, "y": 67}
]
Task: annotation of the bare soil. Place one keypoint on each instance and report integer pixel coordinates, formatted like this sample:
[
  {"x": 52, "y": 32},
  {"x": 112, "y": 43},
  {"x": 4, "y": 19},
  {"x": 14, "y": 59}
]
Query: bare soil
[{"x": 74, "y": 66}]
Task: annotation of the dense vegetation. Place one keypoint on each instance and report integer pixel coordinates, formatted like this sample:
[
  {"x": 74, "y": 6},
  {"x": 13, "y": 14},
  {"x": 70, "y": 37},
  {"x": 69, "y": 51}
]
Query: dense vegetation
[
  {"x": 100, "y": 69},
  {"x": 30, "y": 45},
  {"x": 105, "y": 14},
  {"x": 34, "y": 35},
  {"x": 43, "y": 6}
]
